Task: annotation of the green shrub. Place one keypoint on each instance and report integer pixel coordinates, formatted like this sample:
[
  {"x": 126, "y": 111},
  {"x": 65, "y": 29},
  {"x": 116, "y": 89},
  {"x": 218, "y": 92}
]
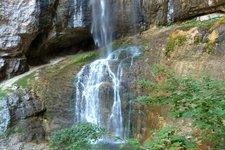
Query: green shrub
[
  {"x": 133, "y": 144},
  {"x": 170, "y": 46},
  {"x": 78, "y": 137},
  {"x": 167, "y": 138},
  {"x": 181, "y": 39},
  {"x": 209, "y": 47},
  {"x": 201, "y": 99}
]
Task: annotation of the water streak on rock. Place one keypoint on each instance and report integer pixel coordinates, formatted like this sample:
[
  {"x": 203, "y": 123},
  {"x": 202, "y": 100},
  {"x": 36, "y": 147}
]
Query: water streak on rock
[{"x": 170, "y": 12}]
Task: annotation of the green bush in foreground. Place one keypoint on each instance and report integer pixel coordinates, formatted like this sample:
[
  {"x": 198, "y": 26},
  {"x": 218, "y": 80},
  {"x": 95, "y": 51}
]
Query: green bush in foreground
[
  {"x": 167, "y": 138},
  {"x": 202, "y": 100},
  {"x": 79, "y": 137}
]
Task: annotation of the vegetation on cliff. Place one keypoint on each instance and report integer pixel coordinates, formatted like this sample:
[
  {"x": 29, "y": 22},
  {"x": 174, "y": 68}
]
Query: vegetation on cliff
[{"x": 198, "y": 98}]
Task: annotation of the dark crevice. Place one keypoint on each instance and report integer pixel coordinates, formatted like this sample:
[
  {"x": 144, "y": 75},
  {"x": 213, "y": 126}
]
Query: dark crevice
[
  {"x": 85, "y": 45},
  {"x": 70, "y": 41}
]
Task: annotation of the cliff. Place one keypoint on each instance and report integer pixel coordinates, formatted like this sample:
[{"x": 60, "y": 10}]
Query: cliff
[{"x": 31, "y": 29}]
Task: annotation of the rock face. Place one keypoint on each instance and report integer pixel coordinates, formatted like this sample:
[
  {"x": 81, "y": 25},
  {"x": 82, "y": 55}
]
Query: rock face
[
  {"x": 22, "y": 109},
  {"x": 33, "y": 28},
  {"x": 202, "y": 51}
]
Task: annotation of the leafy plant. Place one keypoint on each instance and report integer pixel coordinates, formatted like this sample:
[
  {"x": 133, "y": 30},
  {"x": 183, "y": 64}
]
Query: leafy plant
[
  {"x": 201, "y": 99},
  {"x": 170, "y": 46},
  {"x": 168, "y": 138},
  {"x": 79, "y": 137},
  {"x": 173, "y": 41},
  {"x": 181, "y": 39},
  {"x": 209, "y": 46},
  {"x": 133, "y": 144}
]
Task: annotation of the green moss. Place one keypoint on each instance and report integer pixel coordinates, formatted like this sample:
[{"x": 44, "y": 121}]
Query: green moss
[
  {"x": 195, "y": 23},
  {"x": 3, "y": 93},
  {"x": 78, "y": 58},
  {"x": 181, "y": 40},
  {"x": 24, "y": 82},
  {"x": 11, "y": 131},
  {"x": 170, "y": 46},
  {"x": 209, "y": 46}
]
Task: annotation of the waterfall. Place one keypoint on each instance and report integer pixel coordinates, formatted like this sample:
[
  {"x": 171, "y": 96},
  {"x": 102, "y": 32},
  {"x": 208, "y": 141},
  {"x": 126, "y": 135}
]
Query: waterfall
[
  {"x": 4, "y": 115},
  {"x": 101, "y": 28},
  {"x": 98, "y": 85},
  {"x": 170, "y": 12},
  {"x": 78, "y": 14},
  {"x": 210, "y": 2},
  {"x": 103, "y": 75}
]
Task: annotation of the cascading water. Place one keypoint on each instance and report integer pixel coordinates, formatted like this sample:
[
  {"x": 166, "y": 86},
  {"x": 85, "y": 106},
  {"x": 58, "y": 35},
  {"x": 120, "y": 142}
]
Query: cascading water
[
  {"x": 78, "y": 15},
  {"x": 98, "y": 86},
  {"x": 103, "y": 75},
  {"x": 210, "y": 2},
  {"x": 4, "y": 115},
  {"x": 102, "y": 23},
  {"x": 170, "y": 12}
]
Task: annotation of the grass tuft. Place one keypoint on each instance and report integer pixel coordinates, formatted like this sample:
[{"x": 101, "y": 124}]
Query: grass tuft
[{"x": 24, "y": 82}]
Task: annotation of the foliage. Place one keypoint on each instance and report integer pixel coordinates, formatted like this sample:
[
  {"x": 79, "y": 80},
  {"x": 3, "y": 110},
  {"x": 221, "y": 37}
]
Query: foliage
[
  {"x": 168, "y": 138},
  {"x": 170, "y": 46},
  {"x": 173, "y": 41},
  {"x": 181, "y": 39},
  {"x": 132, "y": 143},
  {"x": 209, "y": 46},
  {"x": 201, "y": 99},
  {"x": 195, "y": 23},
  {"x": 11, "y": 131},
  {"x": 78, "y": 137},
  {"x": 3, "y": 93},
  {"x": 24, "y": 82}
]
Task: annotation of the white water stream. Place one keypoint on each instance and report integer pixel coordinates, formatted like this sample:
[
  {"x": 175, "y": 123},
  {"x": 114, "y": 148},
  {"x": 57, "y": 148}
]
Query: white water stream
[
  {"x": 94, "y": 77},
  {"x": 102, "y": 23},
  {"x": 170, "y": 12},
  {"x": 98, "y": 86}
]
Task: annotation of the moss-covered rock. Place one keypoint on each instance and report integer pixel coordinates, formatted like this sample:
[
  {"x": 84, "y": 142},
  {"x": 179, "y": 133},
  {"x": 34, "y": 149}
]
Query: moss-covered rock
[{"x": 55, "y": 89}]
